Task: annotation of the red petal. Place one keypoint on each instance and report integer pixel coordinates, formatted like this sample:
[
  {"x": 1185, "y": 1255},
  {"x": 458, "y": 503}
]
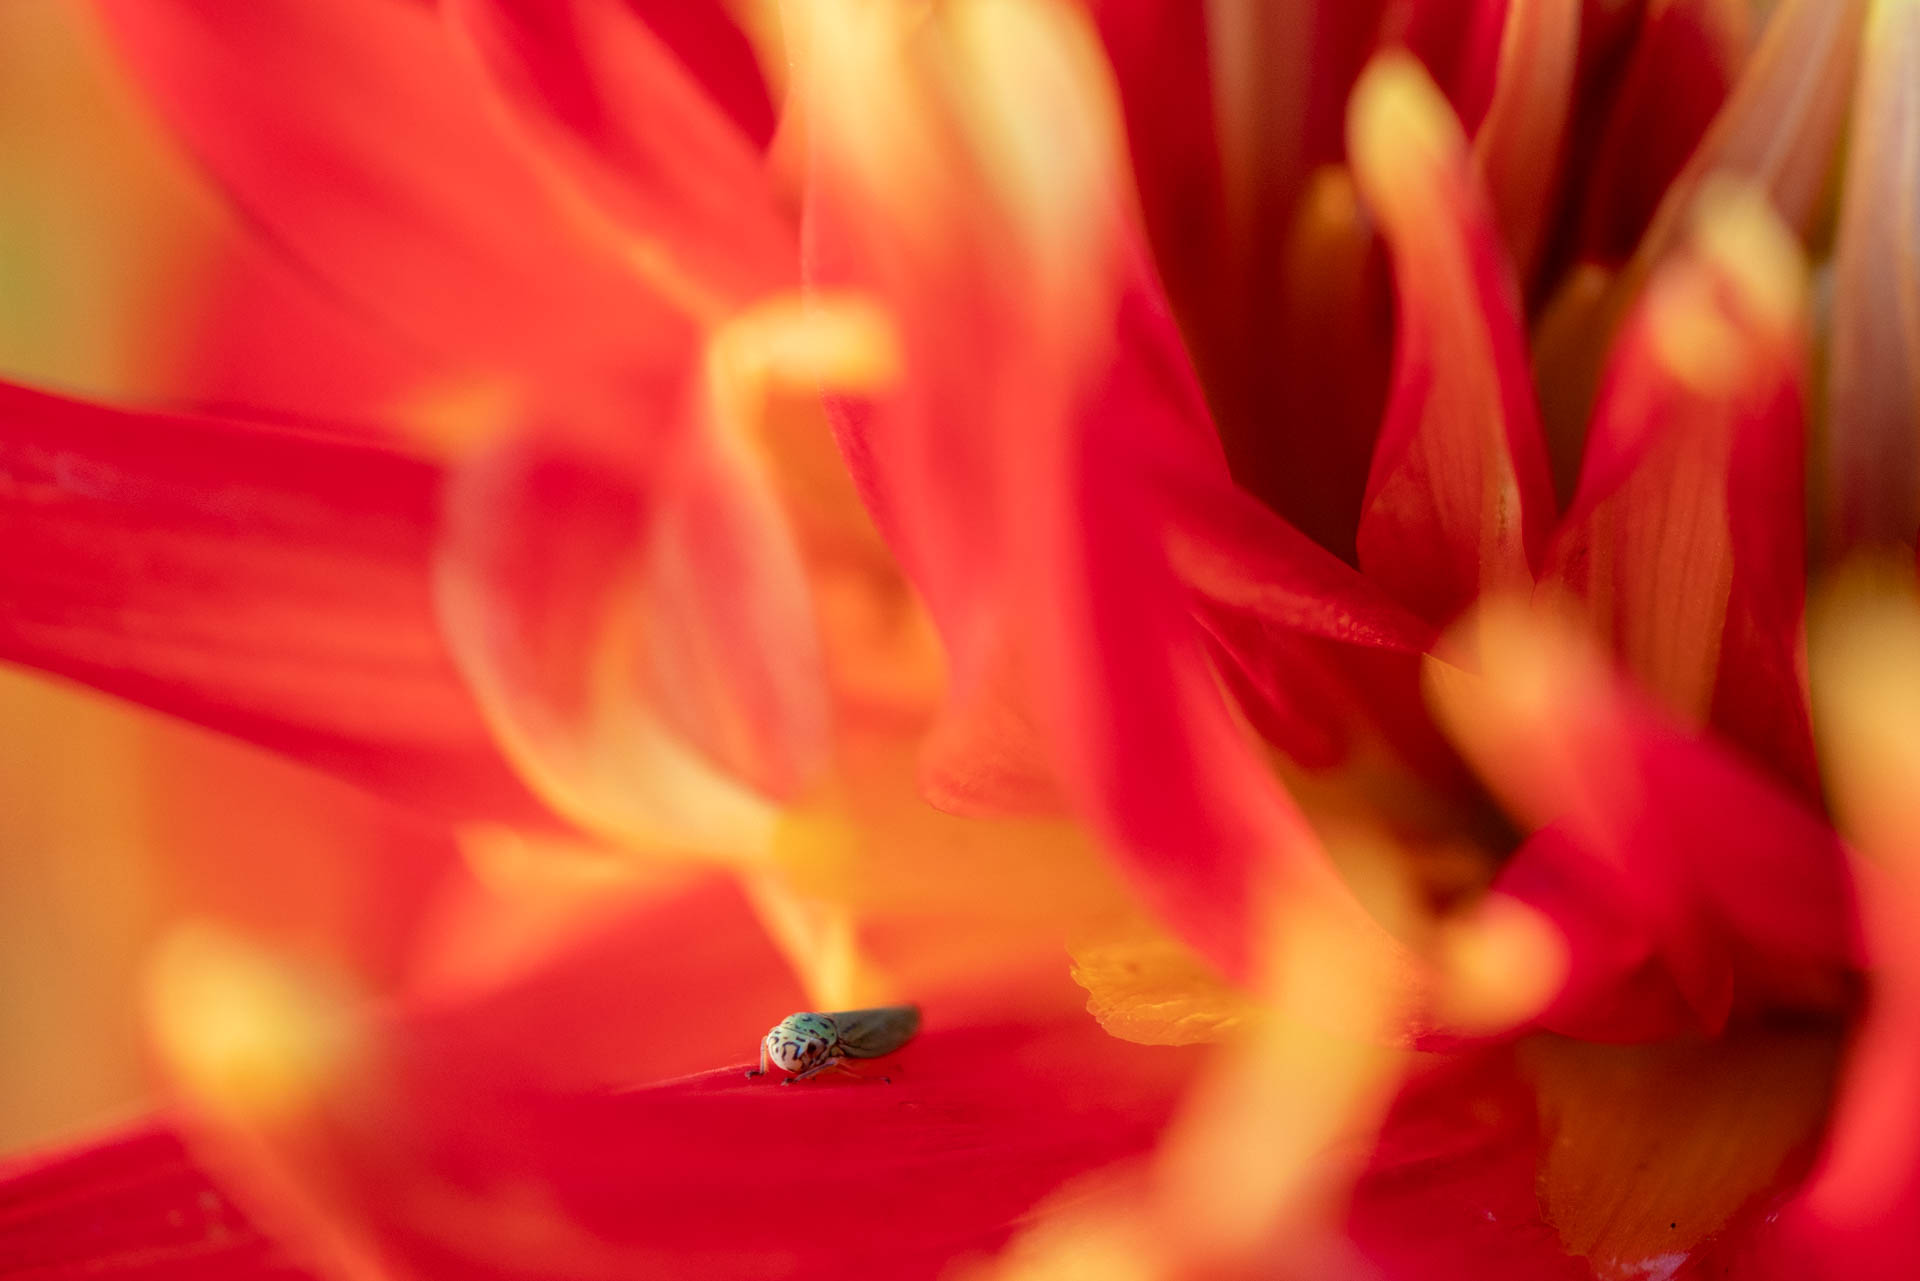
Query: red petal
[
  {"x": 266, "y": 583},
  {"x": 132, "y": 1205},
  {"x": 1685, "y": 540},
  {"x": 1663, "y": 842},
  {"x": 1459, "y": 498},
  {"x": 1231, "y": 111},
  {"x": 657, "y": 111},
  {"x": 1449, "y": 1193},
  {"x": 351, "y": 134},
  {"x": 1873, "y": 490},
  {"x": 1520, "y": 144},
  {"x": 1682, "y": 64},
  {"x": 544, "y": 1132},
  {"x": 1033, "y": 475}
]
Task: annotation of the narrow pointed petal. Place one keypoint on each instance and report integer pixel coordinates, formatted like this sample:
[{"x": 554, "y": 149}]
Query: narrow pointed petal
[
  {"x": 266, "y": 583},
  {"x": 1658, "y": 837},
  {"x": 134, "y": 1205},
  {"x": 656, "y": 112},
  {"x": 357, "y": 142},
  {"x": 1684, "y": 543},
  {"x": 1685, "y": 58},
  {"x": 1873, "y": 406},
  {"x": 1780, "y": 128},
  {"x": 1459, "y": 498},
  {"x": 1520, "y": 143}
]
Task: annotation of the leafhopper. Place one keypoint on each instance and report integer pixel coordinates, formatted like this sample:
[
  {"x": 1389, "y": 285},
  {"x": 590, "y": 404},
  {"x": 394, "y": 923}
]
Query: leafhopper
[{"x": 806, "y": 1044}]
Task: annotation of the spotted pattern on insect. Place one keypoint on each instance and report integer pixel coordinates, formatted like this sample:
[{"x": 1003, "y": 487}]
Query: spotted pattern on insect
[
  {"x": 806, "y": 1044},
  {"x": 802, "y": 1040}
]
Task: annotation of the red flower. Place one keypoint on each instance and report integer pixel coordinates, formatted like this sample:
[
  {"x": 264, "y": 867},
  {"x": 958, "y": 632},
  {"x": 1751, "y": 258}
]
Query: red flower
[{"x": 1312, "y": 495}]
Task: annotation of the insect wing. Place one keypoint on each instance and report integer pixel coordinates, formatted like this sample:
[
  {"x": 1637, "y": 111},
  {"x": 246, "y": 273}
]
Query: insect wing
[{"x": 867, "y": 1034}]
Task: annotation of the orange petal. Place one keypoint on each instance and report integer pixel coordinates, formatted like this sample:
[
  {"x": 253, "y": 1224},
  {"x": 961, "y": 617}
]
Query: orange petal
[
  {"x": 1459, "y": 498},
  {"x": 1873, "y": 481}
]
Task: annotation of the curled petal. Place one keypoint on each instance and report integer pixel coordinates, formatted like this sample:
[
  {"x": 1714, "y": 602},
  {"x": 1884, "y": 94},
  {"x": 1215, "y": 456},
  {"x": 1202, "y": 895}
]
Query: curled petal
[
  {"x": 1684, "y": 542},
  {"x": 266, "y": 583},
  {"x": 1459, "y": 498},
  {"x": 1873, "y": 487},
  {"x": 657, "y": 112}
]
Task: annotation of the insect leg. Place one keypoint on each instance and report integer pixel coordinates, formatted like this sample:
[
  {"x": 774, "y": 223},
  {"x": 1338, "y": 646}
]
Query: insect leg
[{"x": 762, "y": 1069}]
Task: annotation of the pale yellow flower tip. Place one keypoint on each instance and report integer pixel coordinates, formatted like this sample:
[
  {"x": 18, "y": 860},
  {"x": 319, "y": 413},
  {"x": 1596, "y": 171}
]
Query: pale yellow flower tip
[
  {"x": 1739, "y": 233},
  {"x": 1400, "y": 134},
  {"x": 835, "y": 342},
  {"x": 1033, "y": 85},
  {"x": 1865, "y": 661},
  {"x": 246, "y": 1034},
  {"x": 1500, "y": 964},
  {"x": 1506, "y": 662},
  {"x": 1717, "y": 343}
]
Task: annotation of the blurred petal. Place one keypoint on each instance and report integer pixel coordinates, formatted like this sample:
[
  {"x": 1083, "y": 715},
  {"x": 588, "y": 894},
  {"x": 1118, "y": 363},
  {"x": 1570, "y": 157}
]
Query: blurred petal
[
  {"x": 1779, "y": 128},
  {"x": 1459, "y": 499},
  {"x": 268, "y": 584},
  {"x": 658, "y": 113},
  {"x": 1740, "y": 892},
  {"x": 1519, "y": 145},
  {"x": 1856, "y": 1215},
  {"x": 1568, "y": 1160},
  {"x": 131, "y": 1205},
  {"x": 1685, "y": 58},
  {"x": 1459, "y": 43},
  {"x": 1873, "y": 408},
  {"x": 547, "y": 1129},
  {"x": 1684, "y": 542},
  {"x": 570, "y": 583},
  {"x": 1143, "y": 986},
  {"x": 354, "y": 139},
  {"x": 1233, "y": 112},
  {"x": 1450, "y": 1192}
]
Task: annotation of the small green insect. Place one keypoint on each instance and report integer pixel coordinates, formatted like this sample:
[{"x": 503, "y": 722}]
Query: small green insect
[{"x": 806, "y": 1045}]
